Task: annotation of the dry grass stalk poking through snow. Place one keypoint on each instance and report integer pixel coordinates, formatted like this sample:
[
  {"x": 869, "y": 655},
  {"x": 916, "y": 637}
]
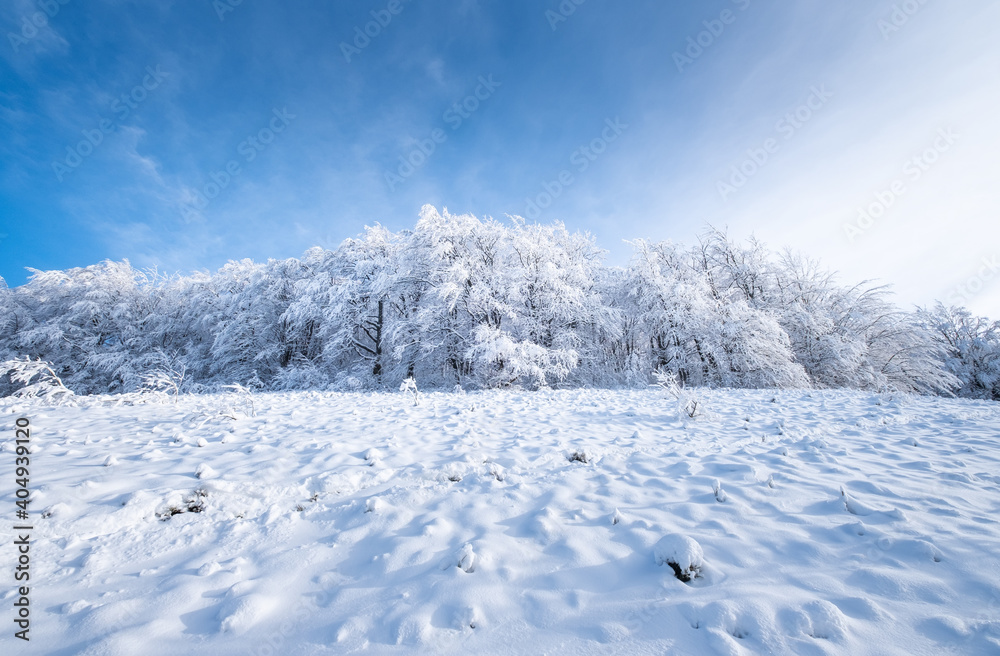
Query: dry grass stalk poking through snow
[
  {"x": 409, "y": 386},
  {"x": 242, "y": 402},
  {"x": 688, "y": 405},
  {"x": 165, "y": 380}
]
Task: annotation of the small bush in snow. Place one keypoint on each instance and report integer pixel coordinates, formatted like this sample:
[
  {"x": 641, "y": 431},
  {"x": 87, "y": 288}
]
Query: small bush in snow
[
  {"x": 688, "y": 405},
  {"x": 886, "y": 394},
  {"x": 204, "y": 472},
  {"x": 682, "y": 554},
  {"x": 194, "y": 503},
  {"x": 165, "y": 379},
  {"x": 497, "y": 471},
  {"x": 409, "y": 386},
  {"x": 243, "y": 401}
]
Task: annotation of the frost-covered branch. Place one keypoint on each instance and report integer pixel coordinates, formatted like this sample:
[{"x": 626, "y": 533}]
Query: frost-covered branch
[{"x": 37, "y": 378}]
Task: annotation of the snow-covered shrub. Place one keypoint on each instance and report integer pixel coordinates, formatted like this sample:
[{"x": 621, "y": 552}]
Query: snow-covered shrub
[
  {"x": 683, "y": 554},
  {"x": 177, "y": 504},
  {"x": 37, "y": 379},
  {"x": 167, "y": 378},
  {"x": 689, "y": 405},
  {"x": 503, "y": 362},
  {"x": 205, "y": 471},
  {"x": 301, "y": 374},
  {"x": 409, "y": 386},
  {"x": 240, "y": 400}
]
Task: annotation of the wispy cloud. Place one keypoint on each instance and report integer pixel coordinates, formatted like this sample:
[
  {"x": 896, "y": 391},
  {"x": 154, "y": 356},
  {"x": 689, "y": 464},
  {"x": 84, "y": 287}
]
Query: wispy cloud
[{"x": 324, "y": 178}]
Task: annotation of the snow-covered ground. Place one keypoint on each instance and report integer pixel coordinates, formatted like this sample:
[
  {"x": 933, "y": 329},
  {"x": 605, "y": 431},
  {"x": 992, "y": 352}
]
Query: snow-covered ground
[{"x": 512, "y": 523}]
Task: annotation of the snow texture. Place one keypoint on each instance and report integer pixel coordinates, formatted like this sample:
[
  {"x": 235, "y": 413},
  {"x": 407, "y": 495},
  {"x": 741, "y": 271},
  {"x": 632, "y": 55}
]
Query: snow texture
[{"x": 340, "y": 523}]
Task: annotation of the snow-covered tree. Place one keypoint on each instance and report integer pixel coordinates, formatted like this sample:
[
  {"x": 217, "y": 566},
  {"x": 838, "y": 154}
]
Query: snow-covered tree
[
  {"x": 253, "y": 337},
  {"x": 854, "y": 336},
  {"x": 89, "y": 322},
  {"x": 359, "y": 312},
  {"x": 972, "y": 349},
  {"x": 478, "y": 302},
  {"x": 704, "y": 330}
]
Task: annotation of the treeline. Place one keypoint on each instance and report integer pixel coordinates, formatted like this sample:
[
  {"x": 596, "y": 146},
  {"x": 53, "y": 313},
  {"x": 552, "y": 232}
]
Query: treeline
[{"x": 463, "y": 301}]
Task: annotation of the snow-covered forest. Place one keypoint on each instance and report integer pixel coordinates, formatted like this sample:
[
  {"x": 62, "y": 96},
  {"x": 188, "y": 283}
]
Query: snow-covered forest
[{"x": 484, "y": 304}]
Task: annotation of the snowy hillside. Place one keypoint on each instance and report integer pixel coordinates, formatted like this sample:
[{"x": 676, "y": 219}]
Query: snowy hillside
[{"x": 511, "y": 523}]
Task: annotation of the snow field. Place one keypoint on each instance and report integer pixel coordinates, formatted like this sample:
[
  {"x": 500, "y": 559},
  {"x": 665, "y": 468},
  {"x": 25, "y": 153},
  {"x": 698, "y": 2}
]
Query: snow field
[{"x": 508, "y": 522}]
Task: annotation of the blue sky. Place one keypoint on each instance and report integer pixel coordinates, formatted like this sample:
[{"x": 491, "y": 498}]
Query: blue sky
[{"x": 120, "y": 118}]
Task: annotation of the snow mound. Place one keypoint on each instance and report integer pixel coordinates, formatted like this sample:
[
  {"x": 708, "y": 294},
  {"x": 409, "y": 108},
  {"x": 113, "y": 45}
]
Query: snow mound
[
  {"x": 827, "y": 622},
  {"x": 683, "y": 554},
  {"x": 467, "y": 559},
  {"x": 240, "y": 614},
  {"x": 205, "y": 472}
]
